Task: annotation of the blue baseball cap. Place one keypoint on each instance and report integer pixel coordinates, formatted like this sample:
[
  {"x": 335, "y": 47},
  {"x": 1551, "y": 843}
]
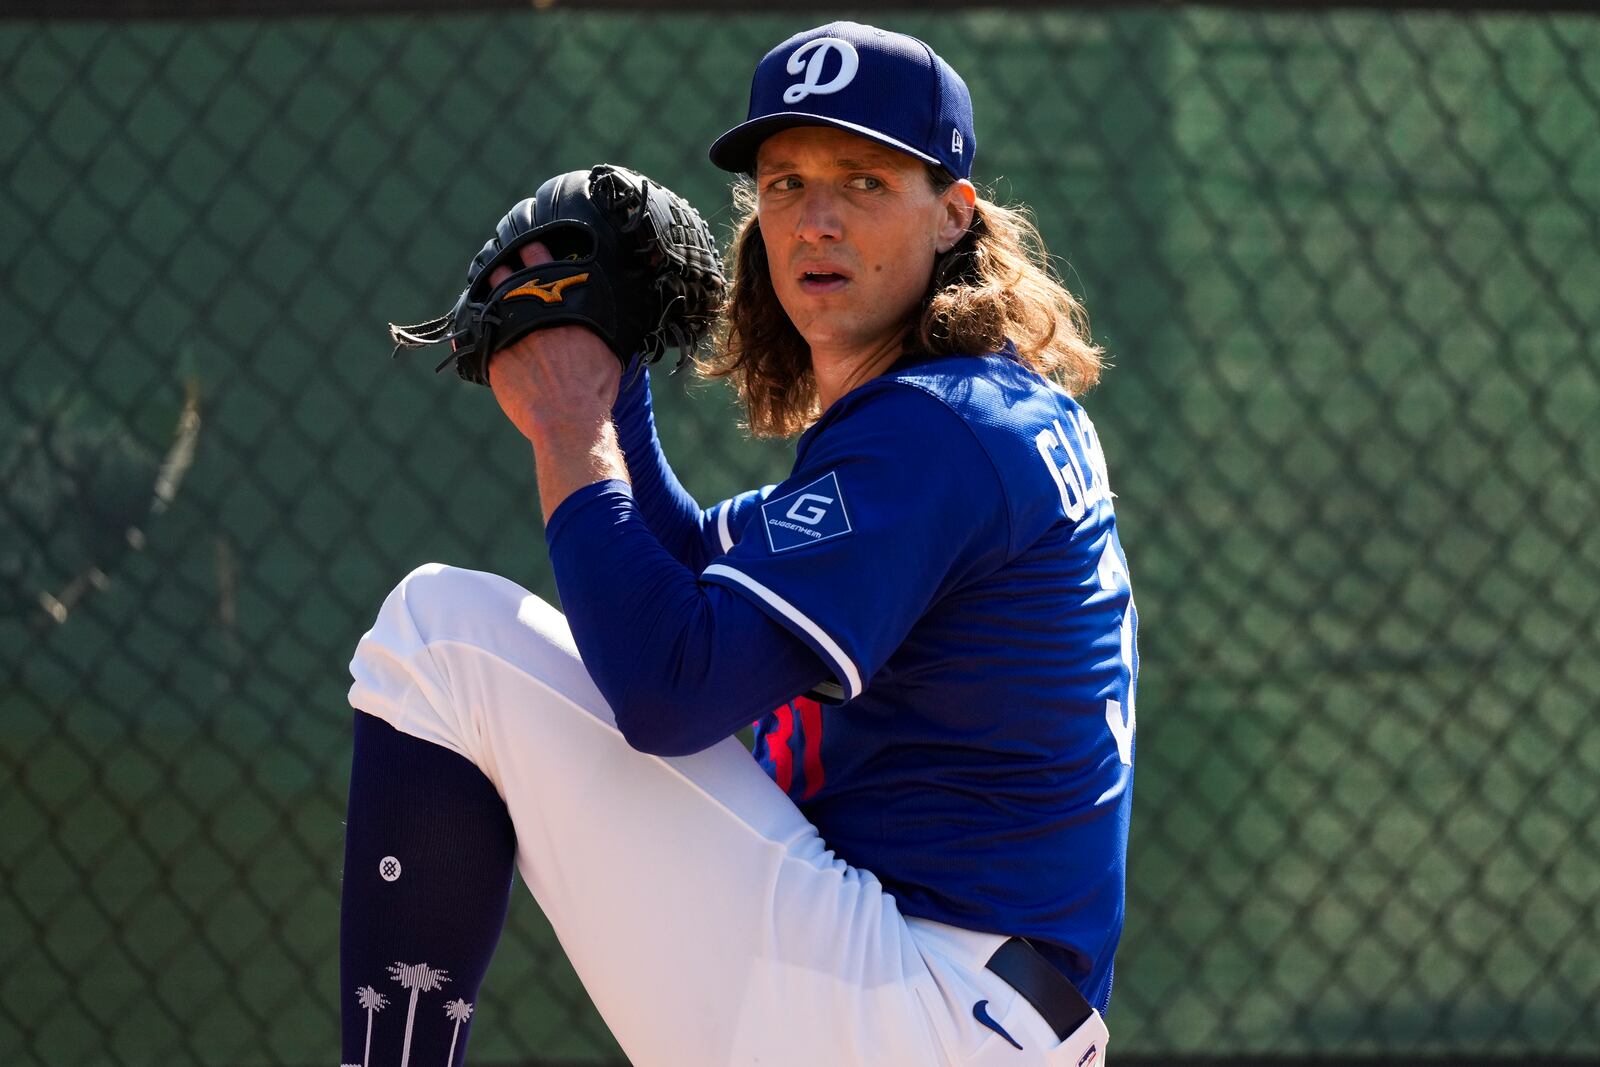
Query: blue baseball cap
[{"x": 887, "y": 87}]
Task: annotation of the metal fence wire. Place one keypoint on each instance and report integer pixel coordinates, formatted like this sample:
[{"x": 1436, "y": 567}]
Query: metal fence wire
[{"x": 1346, "y": 264}]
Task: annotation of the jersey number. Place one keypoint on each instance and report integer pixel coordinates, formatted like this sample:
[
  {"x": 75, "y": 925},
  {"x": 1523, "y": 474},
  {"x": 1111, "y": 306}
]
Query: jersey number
[{"x": 1114, "y": 577}]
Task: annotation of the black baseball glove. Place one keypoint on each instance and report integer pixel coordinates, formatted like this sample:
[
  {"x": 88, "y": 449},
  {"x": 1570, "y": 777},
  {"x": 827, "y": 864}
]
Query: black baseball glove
[{"x": 633, "y": 261}]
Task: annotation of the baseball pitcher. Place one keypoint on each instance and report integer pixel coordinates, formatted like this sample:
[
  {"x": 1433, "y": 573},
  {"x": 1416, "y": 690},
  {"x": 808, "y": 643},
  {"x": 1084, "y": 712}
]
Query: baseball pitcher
[{"x": 929, "y": 621}]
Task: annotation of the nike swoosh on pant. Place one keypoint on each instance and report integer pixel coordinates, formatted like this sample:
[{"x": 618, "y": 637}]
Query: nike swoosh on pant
[{"x": 980, "y": 1012}]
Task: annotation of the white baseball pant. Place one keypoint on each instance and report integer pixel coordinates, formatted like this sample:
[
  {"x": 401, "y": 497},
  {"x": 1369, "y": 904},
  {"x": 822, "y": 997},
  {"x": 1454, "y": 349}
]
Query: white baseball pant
[{"x": 701, "y": 910}]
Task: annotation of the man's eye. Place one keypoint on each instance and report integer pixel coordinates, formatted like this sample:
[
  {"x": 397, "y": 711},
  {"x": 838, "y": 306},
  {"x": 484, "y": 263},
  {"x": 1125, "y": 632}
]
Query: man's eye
[
  {"x": 866, "y": 181},
  {"x": 780, "y": 184}
]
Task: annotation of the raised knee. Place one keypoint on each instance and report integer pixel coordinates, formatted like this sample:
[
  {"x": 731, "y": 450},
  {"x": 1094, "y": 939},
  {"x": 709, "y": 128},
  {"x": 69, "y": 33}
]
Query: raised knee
[
  {"x": 438, "y": 598},
  {"x": 443, "y": 630},
  {"x": 432, "y": 580},
  {"x": 437, "y": 602}
]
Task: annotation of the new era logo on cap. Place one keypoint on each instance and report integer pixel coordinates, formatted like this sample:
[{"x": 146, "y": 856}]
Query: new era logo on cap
[{"x": 888, "y": 87}]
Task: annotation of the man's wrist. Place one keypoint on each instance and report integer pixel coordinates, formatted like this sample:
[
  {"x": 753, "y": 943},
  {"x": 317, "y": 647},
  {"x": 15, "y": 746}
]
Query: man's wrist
[
  {"x": 569, "y": 455},
  {"x": 571, "y": 432}
]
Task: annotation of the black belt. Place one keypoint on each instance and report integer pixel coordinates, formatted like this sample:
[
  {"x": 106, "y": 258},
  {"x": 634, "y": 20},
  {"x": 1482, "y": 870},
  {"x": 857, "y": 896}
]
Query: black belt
[{"x": 1050, "y": 992}]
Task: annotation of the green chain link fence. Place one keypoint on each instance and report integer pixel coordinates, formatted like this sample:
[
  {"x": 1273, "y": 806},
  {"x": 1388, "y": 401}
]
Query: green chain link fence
[{"x": 1347, "y": 265}]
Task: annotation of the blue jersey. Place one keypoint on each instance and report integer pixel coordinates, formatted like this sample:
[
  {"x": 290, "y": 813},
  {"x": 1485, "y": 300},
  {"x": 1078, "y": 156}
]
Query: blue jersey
[{"x": 947, "y": 545}]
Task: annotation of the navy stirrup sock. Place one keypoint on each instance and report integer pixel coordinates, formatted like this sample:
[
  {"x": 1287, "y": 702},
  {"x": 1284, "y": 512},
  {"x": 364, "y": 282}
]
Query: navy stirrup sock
[{"x": 428, "y": 857}]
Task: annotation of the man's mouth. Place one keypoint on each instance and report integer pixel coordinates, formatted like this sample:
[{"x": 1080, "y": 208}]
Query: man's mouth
[{"x": 822, "y": 281}]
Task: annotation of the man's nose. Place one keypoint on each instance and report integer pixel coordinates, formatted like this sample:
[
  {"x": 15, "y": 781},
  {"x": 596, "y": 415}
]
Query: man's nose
[{"x": 819, "y": 216}]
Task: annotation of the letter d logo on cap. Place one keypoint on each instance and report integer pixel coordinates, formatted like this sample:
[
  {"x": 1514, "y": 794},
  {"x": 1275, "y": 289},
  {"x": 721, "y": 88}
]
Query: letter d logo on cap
[{"x": 849, "y": 62}]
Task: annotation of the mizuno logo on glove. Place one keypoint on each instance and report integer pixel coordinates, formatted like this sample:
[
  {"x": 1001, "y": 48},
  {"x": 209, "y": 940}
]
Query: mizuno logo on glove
[{"x": 550, "y": 294}]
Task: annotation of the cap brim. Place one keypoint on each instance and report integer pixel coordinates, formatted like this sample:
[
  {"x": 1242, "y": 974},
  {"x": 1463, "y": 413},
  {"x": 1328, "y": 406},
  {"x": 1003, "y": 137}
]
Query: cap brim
[{"x": 736, "y": 149}]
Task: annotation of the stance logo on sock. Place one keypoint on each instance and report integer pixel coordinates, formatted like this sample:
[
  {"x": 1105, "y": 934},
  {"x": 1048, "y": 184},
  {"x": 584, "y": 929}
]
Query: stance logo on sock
[{"x": 389, "y": 869}]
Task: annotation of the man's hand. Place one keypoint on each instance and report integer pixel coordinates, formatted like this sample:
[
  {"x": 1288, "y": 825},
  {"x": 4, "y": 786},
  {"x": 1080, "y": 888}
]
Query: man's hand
[
  {"x": 554, "y": 378},
  {"x": 557, "y": 385}
]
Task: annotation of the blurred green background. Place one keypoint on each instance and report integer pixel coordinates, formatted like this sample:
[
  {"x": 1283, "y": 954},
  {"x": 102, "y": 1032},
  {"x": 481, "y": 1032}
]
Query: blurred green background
[{"x": 1347, "y": 268}]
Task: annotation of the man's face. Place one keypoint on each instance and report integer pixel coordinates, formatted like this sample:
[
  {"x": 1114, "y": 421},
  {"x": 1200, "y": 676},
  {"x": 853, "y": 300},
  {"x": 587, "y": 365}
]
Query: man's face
[{"x": 851, "y": 230}]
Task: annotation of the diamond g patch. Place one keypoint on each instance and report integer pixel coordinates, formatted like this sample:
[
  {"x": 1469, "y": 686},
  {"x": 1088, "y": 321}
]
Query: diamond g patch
[{"x": 813, "y": 513}]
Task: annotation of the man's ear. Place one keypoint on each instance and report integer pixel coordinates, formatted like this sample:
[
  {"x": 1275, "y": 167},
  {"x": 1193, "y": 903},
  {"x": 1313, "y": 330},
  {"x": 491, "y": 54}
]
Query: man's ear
[{"x": 958, "y": 202}]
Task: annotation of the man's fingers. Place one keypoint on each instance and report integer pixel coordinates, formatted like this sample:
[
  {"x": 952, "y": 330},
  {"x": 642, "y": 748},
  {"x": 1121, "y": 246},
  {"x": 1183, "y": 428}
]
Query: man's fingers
[{"x": 533, "y": 254}]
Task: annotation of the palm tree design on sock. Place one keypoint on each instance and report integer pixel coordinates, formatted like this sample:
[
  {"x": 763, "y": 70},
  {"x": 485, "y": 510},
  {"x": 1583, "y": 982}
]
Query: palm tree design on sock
[
  {"x": 373, "y": 1002},
  {"x": 460, "y": 1011},
  {"x": 419, "y": 978}
]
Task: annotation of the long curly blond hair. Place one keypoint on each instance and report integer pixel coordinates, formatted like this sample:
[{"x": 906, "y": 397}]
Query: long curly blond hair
[{"x": 995, "y": 284}]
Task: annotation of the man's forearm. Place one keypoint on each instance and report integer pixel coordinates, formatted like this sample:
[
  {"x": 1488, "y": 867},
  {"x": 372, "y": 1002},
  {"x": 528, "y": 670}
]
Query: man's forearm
[{"x": 671, "y": 655}]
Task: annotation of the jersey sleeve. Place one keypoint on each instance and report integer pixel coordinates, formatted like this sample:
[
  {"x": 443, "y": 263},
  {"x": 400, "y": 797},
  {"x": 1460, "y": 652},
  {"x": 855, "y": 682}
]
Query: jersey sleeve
[
  {"x": 726, "y": 521},
  {"x": 693, "y": 535},
  {"x": 893, "y": 503}
]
